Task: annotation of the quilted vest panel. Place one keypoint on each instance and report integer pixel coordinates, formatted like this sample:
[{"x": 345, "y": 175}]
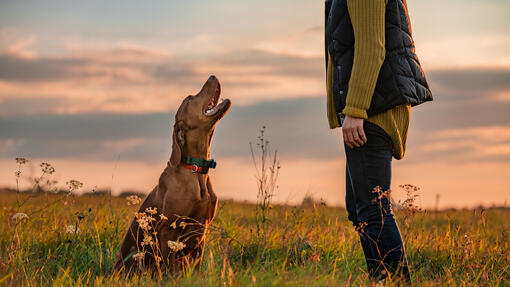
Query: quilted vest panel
[{"x": 401, "y": 79}]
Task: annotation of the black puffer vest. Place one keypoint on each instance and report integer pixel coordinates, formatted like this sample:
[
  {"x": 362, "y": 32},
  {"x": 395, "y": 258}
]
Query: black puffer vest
[{"x": 401, "y": 79}]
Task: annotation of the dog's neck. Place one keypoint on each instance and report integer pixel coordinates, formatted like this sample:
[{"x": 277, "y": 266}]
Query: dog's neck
[{"x": 197, "y": 149}]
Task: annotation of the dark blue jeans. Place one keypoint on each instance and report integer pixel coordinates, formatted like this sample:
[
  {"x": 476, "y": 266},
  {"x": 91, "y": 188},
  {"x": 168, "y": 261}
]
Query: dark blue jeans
[{"x": 368, "y": 175}]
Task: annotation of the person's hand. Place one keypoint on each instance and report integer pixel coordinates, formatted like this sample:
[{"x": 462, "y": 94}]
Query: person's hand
[{"x": 352, "y": 130}]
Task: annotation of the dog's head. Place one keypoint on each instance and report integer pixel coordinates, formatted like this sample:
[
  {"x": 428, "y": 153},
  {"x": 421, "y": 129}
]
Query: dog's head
[{"x": 196, "y": 118}]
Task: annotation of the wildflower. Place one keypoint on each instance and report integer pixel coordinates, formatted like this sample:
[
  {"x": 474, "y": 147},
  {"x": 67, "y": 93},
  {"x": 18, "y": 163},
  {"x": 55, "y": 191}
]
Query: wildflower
[
  {"x": 176, "y": 245},
  {"x": 163, "y": 217},
  {"x": 151, "y": 210},
  {"x": 74, "y": 185},
  {"x": 19, "y": 217},
  {"x": 143, "y": 220},
  {"x": 133, "y": 200},
  {"x": 72, "y": 229},
  {"x": 138, "y": 256},
  {"x": 47, "y": 168},
  {"x": 17, "y": 174},
  {"x": 21, "y": 160},
  {"x": 147, "y": 240},
  {"x": 174, "y": 225}
]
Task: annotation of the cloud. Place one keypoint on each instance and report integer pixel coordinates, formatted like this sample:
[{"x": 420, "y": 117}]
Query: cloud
[
  {"x": 297, "y": 128},
  {"x": 16, "y": 43},
  {"x": 473, "y": 84},
  {"x": 146, "y": 137},
  {"x": 137, "y": 80},
  {"x": 15, "y": 68},
  {"x": 274, "y": 63},
  {"x": 93, "y": 103},
  {"x": 117, "y": 66}
]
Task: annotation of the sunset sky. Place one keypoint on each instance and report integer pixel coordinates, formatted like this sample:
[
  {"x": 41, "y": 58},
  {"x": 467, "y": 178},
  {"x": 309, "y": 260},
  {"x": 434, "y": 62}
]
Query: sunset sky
[{"x": 92, "y": 88}]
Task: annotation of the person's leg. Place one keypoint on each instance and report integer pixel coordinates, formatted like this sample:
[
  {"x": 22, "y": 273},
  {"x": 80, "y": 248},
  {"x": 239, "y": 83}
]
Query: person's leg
[
  {"x": 368, "y": 167},
  {"x": 350, "y": 204}
]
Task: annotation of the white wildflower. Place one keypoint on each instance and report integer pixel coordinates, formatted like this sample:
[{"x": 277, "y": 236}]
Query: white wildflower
[
  {"x": 176, "y": 245},
  {"x": 139, "y": 256},
  {"x": 133, "y": 200},
  {"x": 72, "y": 229},
  {"x": 163, "y": 217},
  {"x": 19, "y": 217},
  {"x": 143, "y": 220},
  {"x": 147, "y": 240},
  {"x": 151, "y": 210}
]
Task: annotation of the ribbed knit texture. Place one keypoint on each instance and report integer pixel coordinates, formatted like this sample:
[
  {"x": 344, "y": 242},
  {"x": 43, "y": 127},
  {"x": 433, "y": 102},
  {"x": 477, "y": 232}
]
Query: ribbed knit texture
[{"x": 367, "y": 17}]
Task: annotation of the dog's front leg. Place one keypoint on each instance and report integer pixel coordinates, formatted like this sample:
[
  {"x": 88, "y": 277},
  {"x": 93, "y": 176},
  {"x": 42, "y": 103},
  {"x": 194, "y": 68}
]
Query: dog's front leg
[
  {"x": 213, "y": 201},
  {"x": 167, "y": 234}
]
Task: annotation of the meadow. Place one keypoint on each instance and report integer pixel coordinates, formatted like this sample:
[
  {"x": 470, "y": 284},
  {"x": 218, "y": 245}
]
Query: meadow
[
  {"x": 72, "y": 240},
  {"x": 68, "y": 237}
]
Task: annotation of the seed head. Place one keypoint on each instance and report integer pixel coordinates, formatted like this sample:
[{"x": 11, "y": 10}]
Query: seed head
[
  {"x": 133, "y": 200},
  {"x": 74, "y": 185},
  {"x": 143, "y": 220},
  {"x": 174, "y": 225},
  {"x": 151, "y": 210},
  {"x": 19, "y": 217},
  {"x": 21, "y": 160},
  {"x": 138, "y": 256},
  {"x": 47, "y": 168},
  {"x": 72, "y": 229},
  {"x": 147, "y": 240},
  {"x": 176, "y": 245}
]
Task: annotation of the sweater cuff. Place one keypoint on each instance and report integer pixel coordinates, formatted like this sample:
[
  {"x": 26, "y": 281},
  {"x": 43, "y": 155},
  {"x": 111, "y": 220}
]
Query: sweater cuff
[{"x": 355, "y": 112}]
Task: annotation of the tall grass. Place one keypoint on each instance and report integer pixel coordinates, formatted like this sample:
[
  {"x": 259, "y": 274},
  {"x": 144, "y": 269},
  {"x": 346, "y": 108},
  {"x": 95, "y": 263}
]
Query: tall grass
[
  {"x": 73, "y": 240},
  {"x": 314, "y": 245}
]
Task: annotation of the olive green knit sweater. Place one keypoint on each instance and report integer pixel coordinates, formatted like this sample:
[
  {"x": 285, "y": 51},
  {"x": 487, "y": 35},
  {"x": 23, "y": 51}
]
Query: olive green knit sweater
[{"x": 368, "y": 22}]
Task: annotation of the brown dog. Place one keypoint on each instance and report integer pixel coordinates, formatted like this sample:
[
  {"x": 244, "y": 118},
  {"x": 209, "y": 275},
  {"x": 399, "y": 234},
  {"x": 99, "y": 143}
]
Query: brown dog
[{"x": 168, "y": 232}]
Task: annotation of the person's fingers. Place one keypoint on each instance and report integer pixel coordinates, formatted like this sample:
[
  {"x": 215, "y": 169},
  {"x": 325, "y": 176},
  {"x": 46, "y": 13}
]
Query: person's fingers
[
  {"x": 346, "y": 138},
  {"x": 362, "y": 134},
  {"x": 351, "y": 135},
  {"x": 356, "y": 137}
]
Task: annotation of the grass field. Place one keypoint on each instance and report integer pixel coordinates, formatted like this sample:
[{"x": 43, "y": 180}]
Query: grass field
[{"x": 314, "y": 245}]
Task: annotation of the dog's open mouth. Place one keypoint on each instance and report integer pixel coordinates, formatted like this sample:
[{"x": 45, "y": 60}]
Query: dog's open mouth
[{"x": 214, "y": 108}]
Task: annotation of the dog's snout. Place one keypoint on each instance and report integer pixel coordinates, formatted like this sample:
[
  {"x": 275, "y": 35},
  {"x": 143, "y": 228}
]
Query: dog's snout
[{"x": 212, "y": 77}]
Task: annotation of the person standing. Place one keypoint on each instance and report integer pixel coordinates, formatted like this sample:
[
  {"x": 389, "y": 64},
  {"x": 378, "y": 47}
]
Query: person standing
[{"x": 373, "y": 79}]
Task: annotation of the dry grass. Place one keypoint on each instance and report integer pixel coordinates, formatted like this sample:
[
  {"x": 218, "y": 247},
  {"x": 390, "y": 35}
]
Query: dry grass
[
  {"x": 312, "y": 245},
  {"x": 53, "y": 237}
]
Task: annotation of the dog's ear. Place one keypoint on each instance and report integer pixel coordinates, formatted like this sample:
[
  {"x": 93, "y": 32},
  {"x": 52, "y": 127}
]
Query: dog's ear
[{"x": 178, "y": 140}]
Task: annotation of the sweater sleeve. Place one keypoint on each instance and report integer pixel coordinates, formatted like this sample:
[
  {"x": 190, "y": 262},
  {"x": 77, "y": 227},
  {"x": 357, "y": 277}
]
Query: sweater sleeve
[{"x": 367, "y": 17}]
